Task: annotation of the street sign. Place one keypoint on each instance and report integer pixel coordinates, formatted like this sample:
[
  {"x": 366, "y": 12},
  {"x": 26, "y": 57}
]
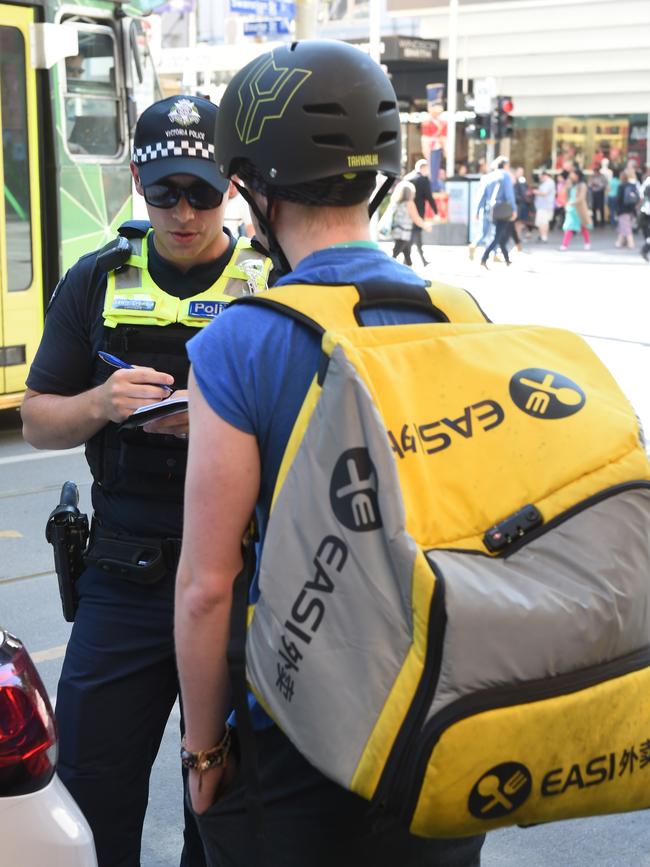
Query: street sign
[
  {"x": 266, "y": 9},
  {"x": 266, "y": 27},
  {"x": 250, "y": 7},
  {"x": 485, "y": 89},
  {"x": 281, "y": 9}
]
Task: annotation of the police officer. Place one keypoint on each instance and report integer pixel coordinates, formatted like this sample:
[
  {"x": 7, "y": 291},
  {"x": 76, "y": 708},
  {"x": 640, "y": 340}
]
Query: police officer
[
  {"x": 138, "y": 300},
  {"x": 306, "y": 127}
]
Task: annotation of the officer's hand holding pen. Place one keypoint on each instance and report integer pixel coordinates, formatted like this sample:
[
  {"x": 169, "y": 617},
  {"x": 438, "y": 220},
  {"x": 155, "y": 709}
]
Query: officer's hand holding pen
[{"x": 131, "y": 387}]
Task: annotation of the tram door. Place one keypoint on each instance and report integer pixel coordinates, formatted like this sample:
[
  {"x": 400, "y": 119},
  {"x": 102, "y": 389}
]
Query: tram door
[{"x": 21, "y": 271}]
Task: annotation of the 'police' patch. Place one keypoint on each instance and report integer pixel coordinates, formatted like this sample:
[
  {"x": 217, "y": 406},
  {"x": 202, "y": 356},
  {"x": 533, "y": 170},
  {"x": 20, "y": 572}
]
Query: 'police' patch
[
  {"x": 135, "y": 302},
  {"x": 206, "y": 309}
]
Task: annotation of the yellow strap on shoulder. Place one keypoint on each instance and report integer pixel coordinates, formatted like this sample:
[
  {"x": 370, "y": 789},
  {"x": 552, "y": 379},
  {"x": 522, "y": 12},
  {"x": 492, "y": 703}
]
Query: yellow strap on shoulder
[{"x": 334, "y": 308}]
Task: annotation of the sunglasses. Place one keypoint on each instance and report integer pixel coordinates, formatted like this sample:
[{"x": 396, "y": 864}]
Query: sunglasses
[{"x": 200, "y": 196}]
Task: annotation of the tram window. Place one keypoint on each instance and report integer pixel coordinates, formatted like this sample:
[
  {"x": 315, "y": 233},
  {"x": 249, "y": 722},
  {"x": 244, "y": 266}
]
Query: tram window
[
  {"x": 91, "y": 97},
  {"x": 15, "y": 160}
]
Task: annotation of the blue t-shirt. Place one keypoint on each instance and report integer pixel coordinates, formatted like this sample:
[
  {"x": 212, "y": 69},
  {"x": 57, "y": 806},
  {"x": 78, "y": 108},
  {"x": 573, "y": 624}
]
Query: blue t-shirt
[{"x": 254, "y": 365}]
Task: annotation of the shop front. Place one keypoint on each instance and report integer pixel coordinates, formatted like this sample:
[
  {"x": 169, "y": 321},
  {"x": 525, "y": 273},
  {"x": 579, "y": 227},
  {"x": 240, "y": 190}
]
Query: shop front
[{"x": 560, "y": 142}]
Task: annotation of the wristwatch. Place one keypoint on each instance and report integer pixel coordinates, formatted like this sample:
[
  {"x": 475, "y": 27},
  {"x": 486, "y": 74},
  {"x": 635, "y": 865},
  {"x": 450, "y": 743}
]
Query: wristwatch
[{"x": 204, "y": 760}]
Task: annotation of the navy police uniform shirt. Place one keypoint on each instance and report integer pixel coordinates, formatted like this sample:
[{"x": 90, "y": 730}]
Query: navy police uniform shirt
[{"x": 72, "y": 336}]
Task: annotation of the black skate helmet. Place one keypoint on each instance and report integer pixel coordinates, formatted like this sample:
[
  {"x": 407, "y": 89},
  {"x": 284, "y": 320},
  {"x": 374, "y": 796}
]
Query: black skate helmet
[{"x": 309, "y": 110}]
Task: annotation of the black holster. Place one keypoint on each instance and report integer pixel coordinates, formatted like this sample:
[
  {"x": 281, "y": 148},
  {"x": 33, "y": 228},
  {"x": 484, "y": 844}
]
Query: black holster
[{"x": 67, "y": 531}]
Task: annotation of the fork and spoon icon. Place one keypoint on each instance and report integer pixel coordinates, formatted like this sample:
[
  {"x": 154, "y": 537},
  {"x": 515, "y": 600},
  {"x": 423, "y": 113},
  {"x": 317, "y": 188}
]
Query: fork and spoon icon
[
  {"x": 539, "y": 399},
  {"x": 498, "y": 793}
]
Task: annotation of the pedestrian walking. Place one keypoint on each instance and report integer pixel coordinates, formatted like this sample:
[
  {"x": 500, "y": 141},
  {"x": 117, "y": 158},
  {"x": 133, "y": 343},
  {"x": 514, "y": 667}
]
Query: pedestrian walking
[
  {"x": 613, "y": 185},
  {"x": 422, "y": 186},
  {"x": 138, "y": 301},
  {"x": 483, "y": 216},
  {"x": 577, "y": 218},
  {"x": 405, "y": 219},
  {"x": 561, "y": 198},
  {"x": 598, "y": 187},
  {"x": 520, "y": 225},
  {"x": 499, "y": 192},
  {"x": 252, "y": 361},
  {"x": 644, "y": 217},
  {"x": 544, "y": 204},
  {"x": 627, "y": 202}
]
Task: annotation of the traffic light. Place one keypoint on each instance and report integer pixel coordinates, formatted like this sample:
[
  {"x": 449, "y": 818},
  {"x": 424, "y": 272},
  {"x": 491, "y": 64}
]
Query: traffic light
[
  {"x": 480, "y": 127},
  {"x": 505, "y": 120}
]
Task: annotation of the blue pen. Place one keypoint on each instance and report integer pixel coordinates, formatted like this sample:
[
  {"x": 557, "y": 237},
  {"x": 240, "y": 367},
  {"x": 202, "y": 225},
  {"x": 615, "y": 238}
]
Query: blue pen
[{"x": 114, "y": 361}]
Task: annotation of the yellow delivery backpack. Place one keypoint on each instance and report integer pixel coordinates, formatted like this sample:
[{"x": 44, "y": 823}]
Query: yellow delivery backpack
[{"x": 454, "y": 611}]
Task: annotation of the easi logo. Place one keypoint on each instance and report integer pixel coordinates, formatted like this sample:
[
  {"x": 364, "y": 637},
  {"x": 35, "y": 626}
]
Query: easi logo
[
  {"x": 545, "y": 393},
  {"x": 307, "y": 613},
  {"x": 436, "y": 436},
  {"x": 206, "y": 309},
  {"x": 500, "y": 791},
  {"x": 353, "y": 491},
  {"x": 621, "y": 764},
  {"x": 505, "y": 787}
]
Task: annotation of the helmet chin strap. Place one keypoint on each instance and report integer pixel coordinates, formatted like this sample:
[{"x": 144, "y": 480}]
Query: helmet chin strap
[
  {"x": 276, "y": 253},
  {"x": 379, "y": 196}
]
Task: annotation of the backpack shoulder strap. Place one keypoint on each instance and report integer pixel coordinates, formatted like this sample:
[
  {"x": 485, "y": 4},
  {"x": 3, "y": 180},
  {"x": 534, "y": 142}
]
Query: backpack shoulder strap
[{"x": 328, "y": 308}]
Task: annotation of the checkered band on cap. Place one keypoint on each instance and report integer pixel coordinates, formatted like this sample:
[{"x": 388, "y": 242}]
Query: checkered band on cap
[{"x": 183, "y": 148}]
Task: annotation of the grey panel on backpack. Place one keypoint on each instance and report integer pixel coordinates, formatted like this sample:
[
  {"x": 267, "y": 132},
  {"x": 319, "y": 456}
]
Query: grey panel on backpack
[
  {"x": 577, "y": 596},
  {"x": 351, "y": 601}
]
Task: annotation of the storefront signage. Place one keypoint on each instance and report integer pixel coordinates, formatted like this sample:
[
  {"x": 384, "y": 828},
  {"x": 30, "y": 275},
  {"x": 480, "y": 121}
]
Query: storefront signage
[{"x": 409, "y": 48}]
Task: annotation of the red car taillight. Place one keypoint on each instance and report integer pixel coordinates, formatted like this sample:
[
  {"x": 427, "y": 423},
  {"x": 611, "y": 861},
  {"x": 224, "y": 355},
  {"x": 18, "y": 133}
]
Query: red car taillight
[{"x": 28, "y": 743}]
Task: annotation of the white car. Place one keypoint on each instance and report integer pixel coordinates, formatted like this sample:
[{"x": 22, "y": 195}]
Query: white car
[{"x": 40, "y": 824}]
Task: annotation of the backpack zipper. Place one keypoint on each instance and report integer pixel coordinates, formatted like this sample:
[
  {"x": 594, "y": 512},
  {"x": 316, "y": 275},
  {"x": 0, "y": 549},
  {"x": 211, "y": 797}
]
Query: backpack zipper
[
  {"x": 423, "y": 697},
  {"x": 535, "y": 533}
]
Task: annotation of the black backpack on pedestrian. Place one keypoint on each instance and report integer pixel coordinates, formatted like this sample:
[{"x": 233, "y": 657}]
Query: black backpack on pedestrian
[{"x": 630, "y": 196}]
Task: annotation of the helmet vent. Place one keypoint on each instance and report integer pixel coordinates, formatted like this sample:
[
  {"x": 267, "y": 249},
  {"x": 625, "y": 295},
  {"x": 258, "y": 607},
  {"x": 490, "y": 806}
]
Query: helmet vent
[
  {"x": 386, "y": 107},
  {"x": 332, "y": 109},
  {"x": 386, "y": 137},
  {"x": 334, "y": 140}
]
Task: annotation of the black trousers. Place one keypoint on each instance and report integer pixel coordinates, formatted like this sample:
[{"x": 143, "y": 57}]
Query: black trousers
[
  {"x": 403, "y": 247},
  {"x": 311, "y": 822},
  {"x": 501, "y": 238},
  {"x": 514, "y": 234},
  {"x": 598, "y": 206},
  {"x": 117, "y": 688},
  {"x": 644, "y": 225},
  {"x": 416, "y": 240}
]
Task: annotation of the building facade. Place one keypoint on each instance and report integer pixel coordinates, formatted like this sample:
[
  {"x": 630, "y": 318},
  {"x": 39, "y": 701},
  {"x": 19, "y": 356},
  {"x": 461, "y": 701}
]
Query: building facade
[{"x": 578, "y": 71}]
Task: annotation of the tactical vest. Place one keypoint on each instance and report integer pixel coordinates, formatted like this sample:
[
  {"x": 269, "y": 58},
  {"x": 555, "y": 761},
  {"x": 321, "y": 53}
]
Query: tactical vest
[
  {"x": 454, "y": 609},
  {"x": 146, "y": 326}
]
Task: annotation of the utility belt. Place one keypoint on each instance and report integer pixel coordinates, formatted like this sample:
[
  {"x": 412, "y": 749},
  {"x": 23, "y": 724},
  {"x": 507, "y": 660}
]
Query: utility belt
[{"x": 143, "y": 560}]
